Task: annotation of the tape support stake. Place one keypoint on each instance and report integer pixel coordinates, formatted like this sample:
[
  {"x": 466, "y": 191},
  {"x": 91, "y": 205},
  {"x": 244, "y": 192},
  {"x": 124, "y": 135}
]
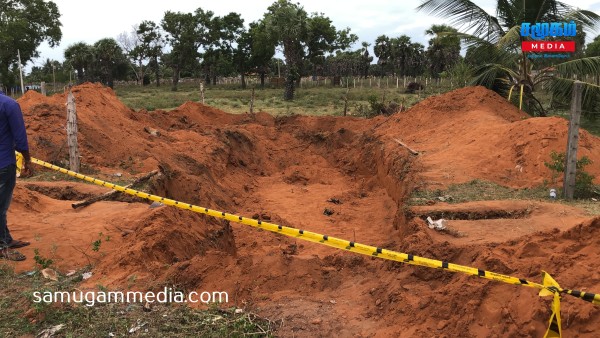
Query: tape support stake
[{"x": 546, "y": 289}]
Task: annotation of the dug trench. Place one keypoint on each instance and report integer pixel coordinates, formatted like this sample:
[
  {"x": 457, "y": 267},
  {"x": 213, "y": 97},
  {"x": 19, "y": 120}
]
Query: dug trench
[{"x": 336, "y": 176}]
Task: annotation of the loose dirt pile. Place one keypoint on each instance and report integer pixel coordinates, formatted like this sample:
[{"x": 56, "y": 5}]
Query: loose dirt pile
[
  {"x": 472, "y": 133},
  {"x": 343, "y": 177}
]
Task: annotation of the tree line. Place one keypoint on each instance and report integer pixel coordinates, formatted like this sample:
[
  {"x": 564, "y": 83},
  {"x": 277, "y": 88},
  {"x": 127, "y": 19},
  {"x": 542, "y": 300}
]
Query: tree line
[{"x": 203, "y": 45}]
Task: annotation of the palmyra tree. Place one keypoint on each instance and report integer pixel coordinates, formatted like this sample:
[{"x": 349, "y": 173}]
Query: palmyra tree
[{"x": 495, "y": 42}]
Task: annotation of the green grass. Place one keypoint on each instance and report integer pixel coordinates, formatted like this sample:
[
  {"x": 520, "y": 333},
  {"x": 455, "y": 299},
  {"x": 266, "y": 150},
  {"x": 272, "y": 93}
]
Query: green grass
[
  {"x": 480, "y": 190},
  {"x": 309, "y": 99},
  {"x": 21, "y": 316}
]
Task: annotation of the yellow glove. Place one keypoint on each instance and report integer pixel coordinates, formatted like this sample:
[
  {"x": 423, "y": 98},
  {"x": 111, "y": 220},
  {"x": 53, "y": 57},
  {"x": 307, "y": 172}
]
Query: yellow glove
[{"x": 19, "y": 163}]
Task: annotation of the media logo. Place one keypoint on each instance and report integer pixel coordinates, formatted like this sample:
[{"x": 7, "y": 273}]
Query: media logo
[{"x": 542, "y": 30}]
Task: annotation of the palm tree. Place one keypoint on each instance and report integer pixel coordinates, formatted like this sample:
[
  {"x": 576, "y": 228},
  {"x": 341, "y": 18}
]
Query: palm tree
[
  {"x": 443, "y": 51},
  {"x": 80, "y": 56},
  {"x": 109, "y": 56},
  {"x": 495, "y": 42},
  {"x": 286, "y": 22}
]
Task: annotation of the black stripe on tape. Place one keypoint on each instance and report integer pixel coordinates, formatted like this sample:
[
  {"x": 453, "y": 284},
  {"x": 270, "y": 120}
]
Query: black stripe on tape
[
  {"x": 301, "y": 232},
  {"x": 223, "y": 214},
  {"x": 352, "y": 244},
  {"x": 523, "y": 281},
  {"x": 576, "y": 293},
  {"x": 191, "y": 207},
  {"x": 205, "y": 209},
  {"x": 325, "y": 237},
  {"x": 278, "y": 227},
  {"x": 379, "y": 250},
  {"x": 554, "y": 325},
  {"x": 241, "y": 218},
  {"x": 444, "y": 265},
  {"x": 588, "y": 297},
  {"x": 260, "y": 222},
  {"x": 411, "y": 257},
  {"x": 178, "y": 203},
  {"x": 480, "y": 273}
]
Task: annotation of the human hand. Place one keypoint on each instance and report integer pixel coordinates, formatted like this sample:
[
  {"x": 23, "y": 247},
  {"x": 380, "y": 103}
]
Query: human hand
[{"x": 26, "y": 171}]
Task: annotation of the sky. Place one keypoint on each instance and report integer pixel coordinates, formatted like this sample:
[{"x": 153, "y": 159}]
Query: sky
[{"x": 90, "y": 21}]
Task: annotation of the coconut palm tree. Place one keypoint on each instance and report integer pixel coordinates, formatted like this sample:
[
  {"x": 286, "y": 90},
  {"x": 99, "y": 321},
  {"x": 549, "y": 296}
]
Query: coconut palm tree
[{"x": 495, "y": 41}]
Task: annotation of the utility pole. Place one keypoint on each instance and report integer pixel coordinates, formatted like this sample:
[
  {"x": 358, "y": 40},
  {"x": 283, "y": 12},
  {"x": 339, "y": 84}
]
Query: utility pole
[{"x": 21, "y": 72}]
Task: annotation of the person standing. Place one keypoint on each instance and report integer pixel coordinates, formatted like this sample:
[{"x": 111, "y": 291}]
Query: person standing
[{"x": 12, "y": 137}]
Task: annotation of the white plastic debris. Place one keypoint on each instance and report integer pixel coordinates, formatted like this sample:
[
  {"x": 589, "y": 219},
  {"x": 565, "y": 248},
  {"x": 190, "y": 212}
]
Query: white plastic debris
[
  {"x": 50, "y": 274},
  {"x": 137, "y": 327},
  {"x": 155, "y": 205},
  {"x": 553, "y": 194},
  {"x": 440, "y": 224},
  {"x": 86, "y": 275},
  {"x": 48, "y": 333}
]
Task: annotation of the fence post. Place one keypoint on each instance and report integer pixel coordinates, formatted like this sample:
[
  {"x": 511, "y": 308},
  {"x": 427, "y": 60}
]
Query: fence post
[
  {"x": 43, "y": 88},
  {"x": 252, "y": 103},
  {"x": 572, "y": 142},
  {"x": 72, "y": 133},
  {"x": 202, "y": 91}
]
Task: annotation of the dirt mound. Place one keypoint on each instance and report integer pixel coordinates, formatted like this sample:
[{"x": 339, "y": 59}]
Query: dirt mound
[
  {"x": 163, "y": 237},
  {"x": 473, "y": 133},
  {"x": 491, "y": 308},
  {"x": 344, "y": 177},
  {"x": 460, "y": 101}
]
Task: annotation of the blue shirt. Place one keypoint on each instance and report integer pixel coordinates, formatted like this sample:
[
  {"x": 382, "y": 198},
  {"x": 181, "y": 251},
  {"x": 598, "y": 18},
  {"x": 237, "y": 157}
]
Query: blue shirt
[{"x": 12, "y": 131}]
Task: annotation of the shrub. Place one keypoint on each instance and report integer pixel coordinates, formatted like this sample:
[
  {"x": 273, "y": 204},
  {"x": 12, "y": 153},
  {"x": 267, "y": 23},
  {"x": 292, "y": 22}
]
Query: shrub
[{"x": 584, "y": 181}]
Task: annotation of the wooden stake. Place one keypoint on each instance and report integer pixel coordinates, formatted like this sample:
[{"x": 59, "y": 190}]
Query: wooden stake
[
  {"x": 72, "y": 133},
  {"x": 252, "y": 102},
  {"x": 202, "y": 92},
  {"x": 346, "y": 101},
  {"x": 572, "y": 142}
]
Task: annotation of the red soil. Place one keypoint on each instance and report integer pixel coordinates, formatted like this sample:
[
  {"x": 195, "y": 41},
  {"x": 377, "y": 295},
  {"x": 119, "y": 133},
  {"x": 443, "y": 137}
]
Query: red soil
[{"x": 286, "y": 169}]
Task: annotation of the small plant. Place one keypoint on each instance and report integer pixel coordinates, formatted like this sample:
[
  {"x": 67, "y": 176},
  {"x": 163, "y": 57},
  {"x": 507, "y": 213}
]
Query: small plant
[
  {"x": 41, "y": 261},
  {"x": 584, "y": 181},
  {"x": 377, "y": 107},
  {"x": 96, "y": 244}
]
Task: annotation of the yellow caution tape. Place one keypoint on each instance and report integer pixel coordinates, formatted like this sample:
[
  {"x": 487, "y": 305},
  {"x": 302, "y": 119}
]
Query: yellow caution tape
[
  {"x": 521, "y": 99},
  {"x": 549, "y": 286},
  {"x": 552, "y": 289},
  {"x": 510, "y": 92}
]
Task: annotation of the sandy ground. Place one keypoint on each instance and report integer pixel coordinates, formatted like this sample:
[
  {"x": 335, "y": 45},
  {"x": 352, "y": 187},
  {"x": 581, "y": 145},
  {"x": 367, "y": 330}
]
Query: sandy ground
[{"x": 289, "y": 170}]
